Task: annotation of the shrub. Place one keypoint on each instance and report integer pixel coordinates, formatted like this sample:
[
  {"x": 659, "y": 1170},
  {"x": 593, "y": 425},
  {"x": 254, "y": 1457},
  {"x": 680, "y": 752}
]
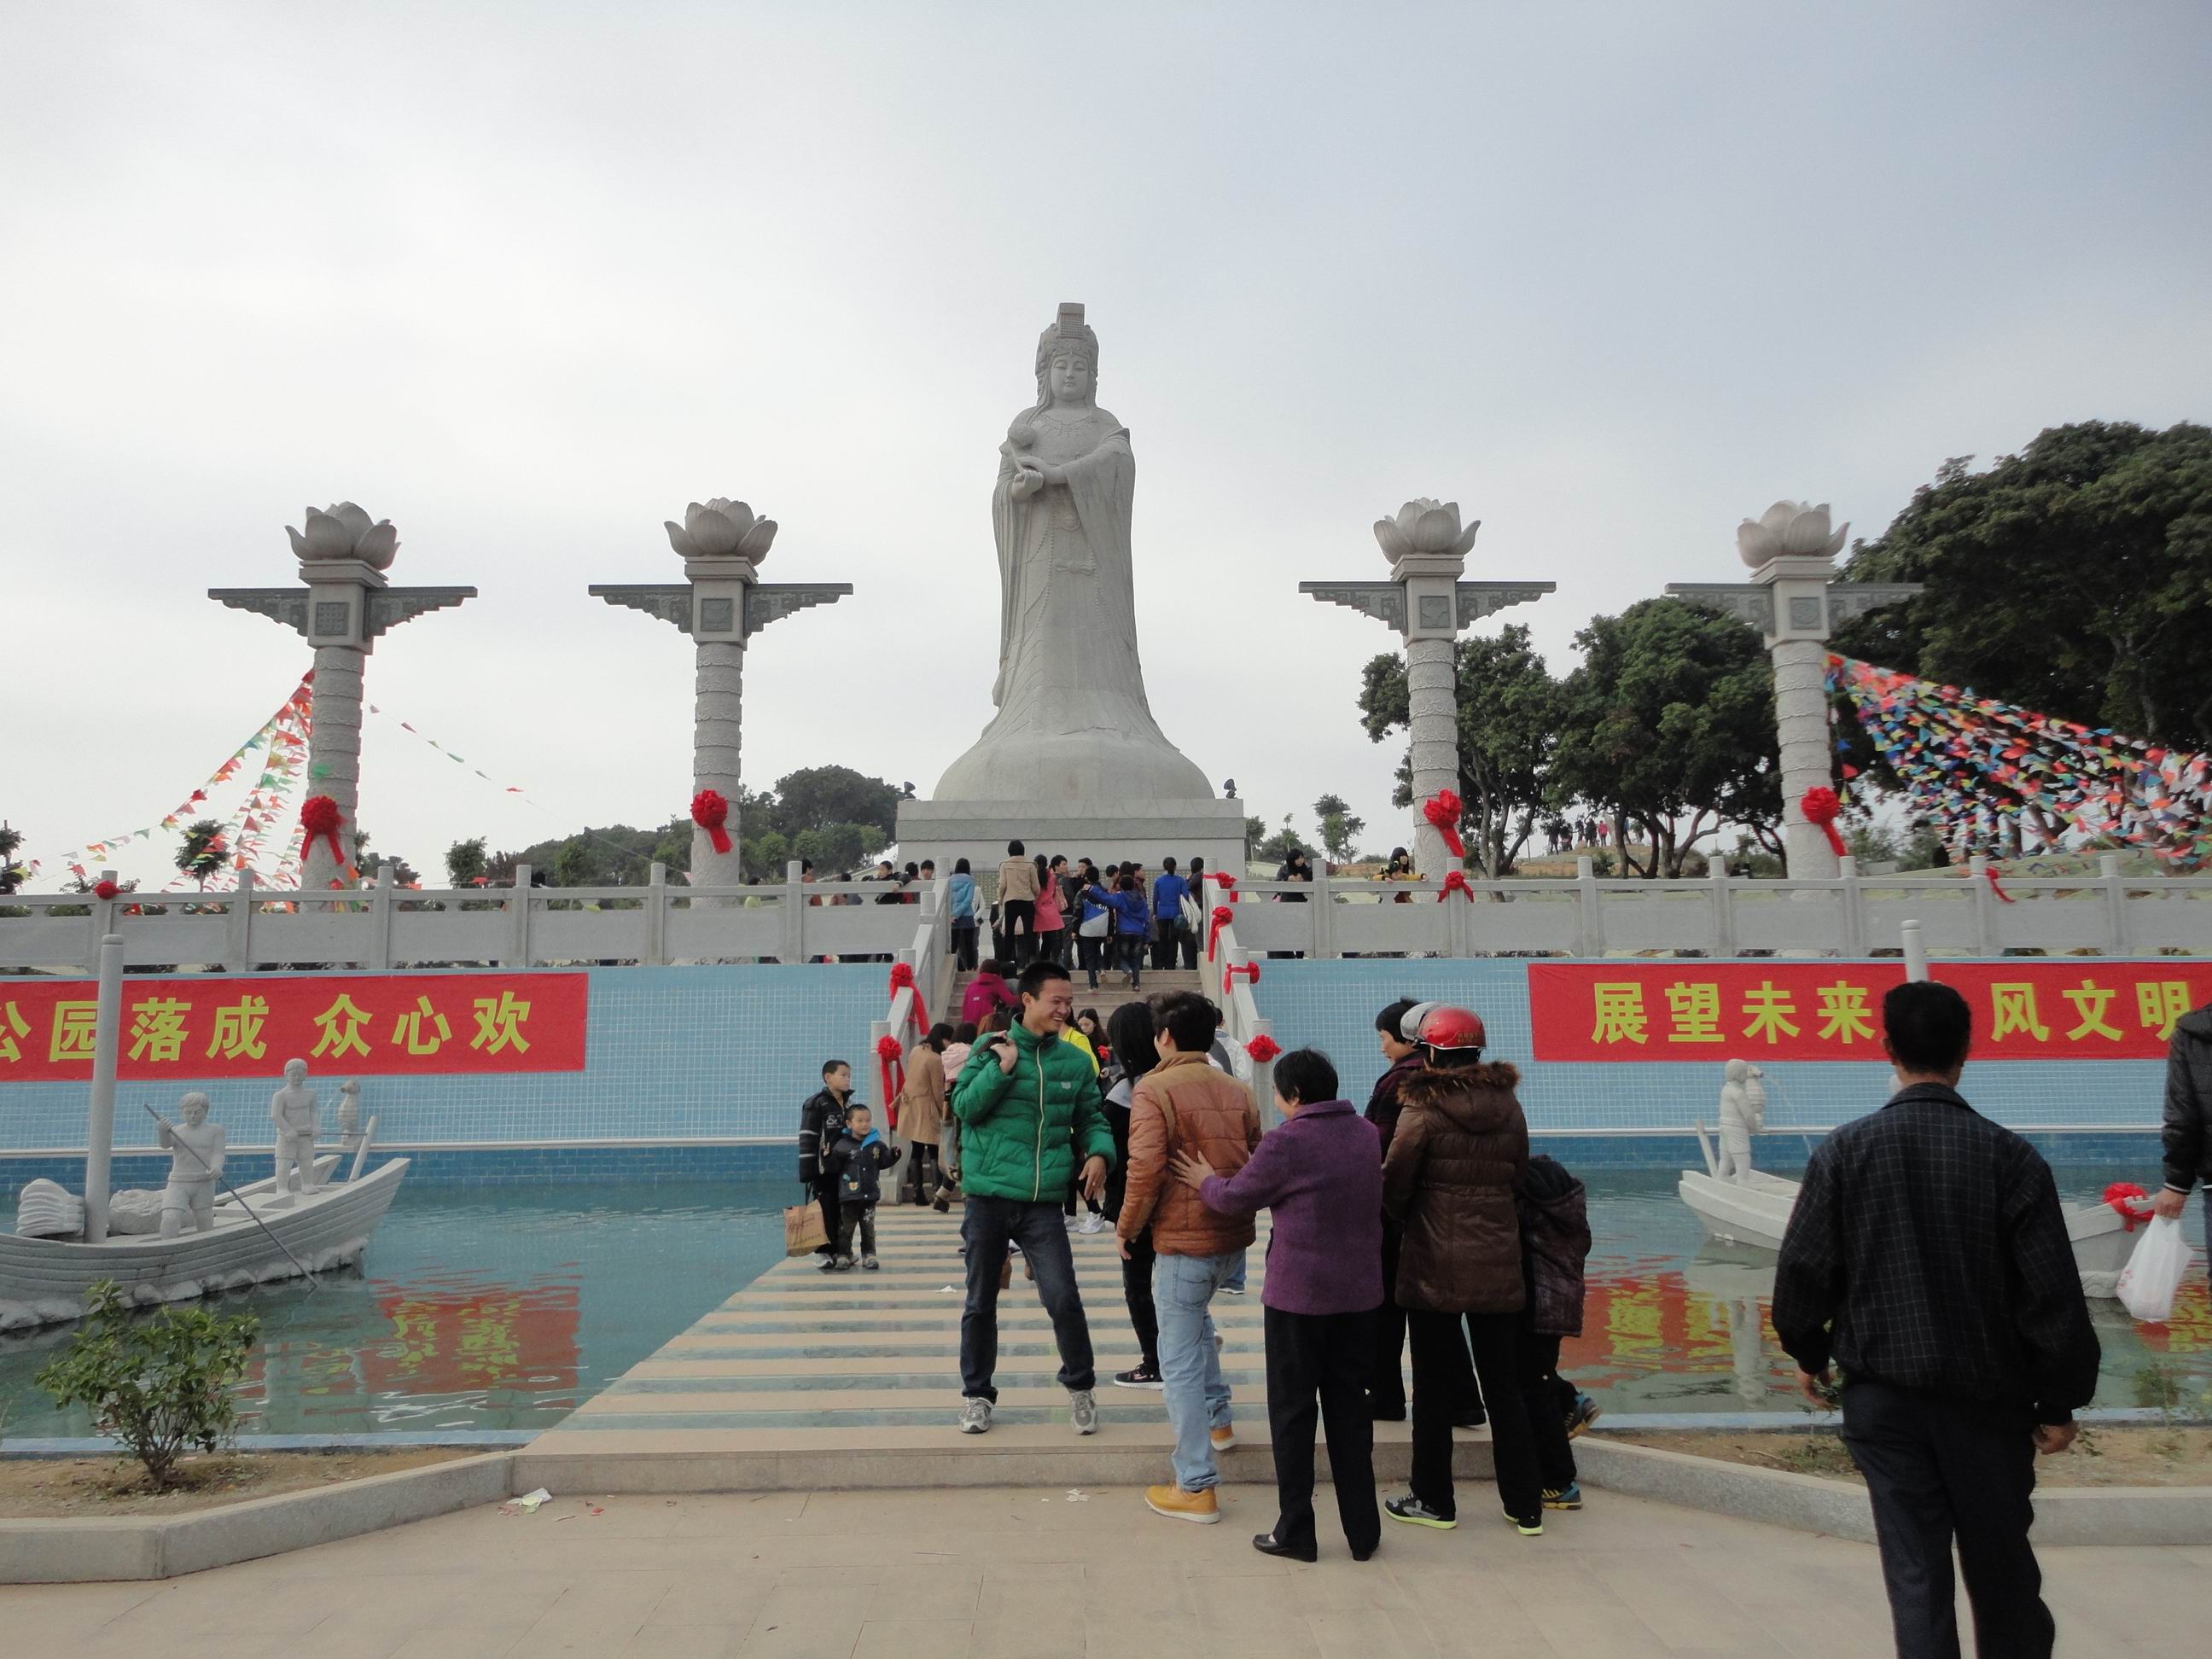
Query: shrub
[{"x": 158, "y": 1385}]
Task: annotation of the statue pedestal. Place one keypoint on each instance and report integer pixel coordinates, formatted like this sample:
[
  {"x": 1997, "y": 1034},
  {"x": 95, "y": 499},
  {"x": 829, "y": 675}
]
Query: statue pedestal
[{"x": 1107, "y": 831}]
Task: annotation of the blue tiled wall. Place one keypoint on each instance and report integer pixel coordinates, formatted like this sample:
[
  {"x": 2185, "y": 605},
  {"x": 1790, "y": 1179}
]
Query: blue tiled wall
[
  {"x": 1331, "y": 1005},
  {"x": 671, "y": 1053}
]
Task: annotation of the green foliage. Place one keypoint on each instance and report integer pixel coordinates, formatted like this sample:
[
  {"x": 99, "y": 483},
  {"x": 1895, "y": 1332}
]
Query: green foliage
[
  {"x": 464, "y": 862},
  {"x": 203, "y": 853},
  {"x": 1255, "y": 831},
  {"x": 160, "y": 1385},
  {"x": 12, "y": 874},
  {"x": 1874, "y": 843},
  {"x": 819, "y": 797},
  {"x": 835, "y": 847},
  {"x": 2074, "y": 577},
  {"x": 1668, "y": 727},
  {"x": 1280, "y": 845},
  {"x": 614, "y": 856},
  {"x": 1339, "y": 827},
  {"x": 1507, "y": 709}
]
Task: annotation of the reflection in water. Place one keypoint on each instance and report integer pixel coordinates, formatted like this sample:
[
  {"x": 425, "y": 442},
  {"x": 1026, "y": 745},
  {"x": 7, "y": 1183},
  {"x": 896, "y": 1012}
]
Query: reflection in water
[{"x": 502, "y": 1309}]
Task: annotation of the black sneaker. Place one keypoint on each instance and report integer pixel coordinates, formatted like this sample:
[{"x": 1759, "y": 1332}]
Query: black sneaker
[
  {"x": 829, "y": 1264},
  {"x": 1143, "y": 1377},
  {"x": 1586, "y": 1411},
  {"x": 1265, "y": 1544},
  {"x": 1411, "y": 1510},
  {"x": 1530, "y": 1526}
]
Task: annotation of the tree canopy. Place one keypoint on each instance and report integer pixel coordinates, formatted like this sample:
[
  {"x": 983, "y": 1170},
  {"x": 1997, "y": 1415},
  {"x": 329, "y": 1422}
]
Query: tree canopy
[
  {"x": 1509, "y": 710},
  {"x": 1339, "y": 827},
  {"x": 203, "y": 853},
  {"x": 1668, "y": 727},
  {"x": 2074, "y": 578}
]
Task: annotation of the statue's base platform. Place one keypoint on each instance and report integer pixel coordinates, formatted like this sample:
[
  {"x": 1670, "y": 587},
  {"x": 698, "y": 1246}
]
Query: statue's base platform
[
  {"x": 1106, "y": 831},
  {"x": 809, "y": 1381}
]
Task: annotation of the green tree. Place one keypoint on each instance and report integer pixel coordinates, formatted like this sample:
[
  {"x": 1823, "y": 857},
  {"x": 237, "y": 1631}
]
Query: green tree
[
  {"x": 834, "y": 847},
  {"x": 12, "y": 874},
  {"x": 1280, "y": 845},
  {"x": 1509, "y": 710},
  {"x": 764, "y": 855},
  {"x": 203, "y": 852},
  {"x": 1339, "y": 828},
  {"x": 1668, "y": 728},
  {"x": 2074, "y": 578},
  {"x": 1255, "y": 831},
  {"x": 816, "y": 797},
  {"x": 464, "y": 862}
]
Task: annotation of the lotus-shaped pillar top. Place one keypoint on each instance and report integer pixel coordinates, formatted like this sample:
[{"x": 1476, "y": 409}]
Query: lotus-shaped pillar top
[
  {"x": 1425, "y": 526},
  {"x": 344, "y": 531},
  {"x": 721, "y": 529},
  {"x": 1790, "y": 527}
]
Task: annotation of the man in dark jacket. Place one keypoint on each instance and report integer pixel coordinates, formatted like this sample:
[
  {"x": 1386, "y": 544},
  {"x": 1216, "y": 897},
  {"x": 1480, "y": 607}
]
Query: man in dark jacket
[
  {"x": 2189, "y": 1115},
  {"x": 1927, "y": 1255},
  {"x": 821, "y": 1122}
]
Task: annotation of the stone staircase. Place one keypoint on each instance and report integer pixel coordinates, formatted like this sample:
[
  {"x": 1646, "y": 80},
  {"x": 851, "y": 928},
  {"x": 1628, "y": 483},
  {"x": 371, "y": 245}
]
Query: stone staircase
[{"x": 1113, "y": 989}]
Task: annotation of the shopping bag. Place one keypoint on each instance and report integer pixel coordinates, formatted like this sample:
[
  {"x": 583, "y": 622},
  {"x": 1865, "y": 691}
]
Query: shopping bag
[
  {"x": 803, "y": 1231},
  {"x": 2153, "y": 1271}
]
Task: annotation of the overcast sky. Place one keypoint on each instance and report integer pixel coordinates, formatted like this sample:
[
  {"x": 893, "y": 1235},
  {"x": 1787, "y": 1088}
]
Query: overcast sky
[{"x": 525, "y": 279}]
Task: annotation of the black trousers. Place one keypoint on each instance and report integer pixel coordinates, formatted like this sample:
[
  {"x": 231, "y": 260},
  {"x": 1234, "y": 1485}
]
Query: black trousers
[
  {"x": 1539, "y": 1358},
  {"x": 1438, "y": 1350},
  {"x": 1137, "y": 1291},
  {"x": 963, "y": 945},
  {"x": 1018, "y": 929},
  {"x": 829, "y": 1196},
  {"x": 987, "y": 1228},
  {"x": 1322, "y": 1357},
  {"x": 861, "y": 1216},
  {"x": 1386, "y": 1390},
  {"x": 1090, "y": 955},
  {"x": 1938, "y": 1469},
  {"x": 920, "y": 1176}
]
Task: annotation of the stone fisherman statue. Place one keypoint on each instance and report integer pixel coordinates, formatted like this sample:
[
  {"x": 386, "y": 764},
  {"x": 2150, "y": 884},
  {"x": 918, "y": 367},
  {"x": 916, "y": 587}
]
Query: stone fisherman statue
[
  {"x": 1072, "y": 723},
  {"x": 196, "y": 1149},
  {"x": 292, "y": 1109},
  {"x": 1743, "y": 1115}
]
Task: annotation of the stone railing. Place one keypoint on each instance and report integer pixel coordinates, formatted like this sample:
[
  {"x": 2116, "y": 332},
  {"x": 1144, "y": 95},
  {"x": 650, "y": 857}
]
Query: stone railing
[{"x": 521, "y": 927}]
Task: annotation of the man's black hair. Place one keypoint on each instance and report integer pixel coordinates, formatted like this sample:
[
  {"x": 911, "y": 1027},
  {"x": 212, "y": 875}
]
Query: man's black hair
[
  {"x": 1391, "y": 1017},
  {"x": 1304, "y": 1075},
  {"x": 1190, "y": 1019},
  {"x": 1928, "y": 1027},
  {"x": 1013, "y": 849},
  {"x": 830, "y": 1065},
  {"x": 860, "y": 1106},
  {"x": 1037, "y": 975}
]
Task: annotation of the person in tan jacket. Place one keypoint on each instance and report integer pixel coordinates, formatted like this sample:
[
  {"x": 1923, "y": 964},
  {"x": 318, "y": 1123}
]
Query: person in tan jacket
[
  {"x": 1184, "y": 1105},
  {"x": 1017, "y": 898},
  {"x": 920, "y": 1117}
]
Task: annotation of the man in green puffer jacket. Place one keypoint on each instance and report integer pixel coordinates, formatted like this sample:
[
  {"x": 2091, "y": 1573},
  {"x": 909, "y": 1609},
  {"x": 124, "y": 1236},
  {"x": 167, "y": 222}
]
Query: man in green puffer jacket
[{"x": 1028, "y": 1109}]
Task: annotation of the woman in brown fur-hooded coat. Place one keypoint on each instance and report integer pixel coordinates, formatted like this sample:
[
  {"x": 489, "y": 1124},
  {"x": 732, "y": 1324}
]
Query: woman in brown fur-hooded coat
[{"x": 1449, "y": 1181}]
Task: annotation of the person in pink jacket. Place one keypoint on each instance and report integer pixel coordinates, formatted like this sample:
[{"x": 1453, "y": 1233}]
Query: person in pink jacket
[{"x": 986, "y": 991}]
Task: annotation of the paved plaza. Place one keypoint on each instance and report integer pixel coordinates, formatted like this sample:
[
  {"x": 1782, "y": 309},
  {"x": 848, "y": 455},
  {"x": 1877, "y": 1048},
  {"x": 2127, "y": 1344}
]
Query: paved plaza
[{"x": 1032, "y": 1575}]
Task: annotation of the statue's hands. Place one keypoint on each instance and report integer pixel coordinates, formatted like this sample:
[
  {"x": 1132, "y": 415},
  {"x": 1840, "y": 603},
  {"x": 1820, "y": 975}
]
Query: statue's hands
[
  {"x": 1051, "y": 474},
  {"x": 1027, "y": 482}
]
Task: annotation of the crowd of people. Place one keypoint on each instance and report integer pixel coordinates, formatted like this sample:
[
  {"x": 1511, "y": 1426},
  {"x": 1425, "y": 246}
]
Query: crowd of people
[
  {"x": 1927, "y": 1258},
  {"x": 1114, "y": 919}
]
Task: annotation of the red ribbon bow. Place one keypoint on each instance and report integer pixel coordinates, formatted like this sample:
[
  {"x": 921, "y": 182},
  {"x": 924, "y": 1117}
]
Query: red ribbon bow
[
  {"x": 1819, "y": 806},
  {"x": 1996, "y": 886},
  {"x": 710, "y": 810},
  {"x": 319, "y": 818},
  {"x": 1220, "y": 918},
  {"x": 1231, "y": 974},
  {"x": 104, "y": 890},
  {"x": 1454, "y": 882},
  {"x": 902, "y": 980},
  {"x": 1263, "y": 1049},
  {"x": 887, "y": 1056},
  {"x": 1442, "y": 809},
  {"x": 2117, "y": 1195}
]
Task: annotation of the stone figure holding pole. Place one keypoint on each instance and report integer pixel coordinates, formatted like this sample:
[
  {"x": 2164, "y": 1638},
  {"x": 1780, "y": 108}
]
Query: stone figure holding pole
[
  {"x": 196, "y": 1149},
  {"x": 292, "y": 1109},
  {"x": 1743, "y": 1115}
]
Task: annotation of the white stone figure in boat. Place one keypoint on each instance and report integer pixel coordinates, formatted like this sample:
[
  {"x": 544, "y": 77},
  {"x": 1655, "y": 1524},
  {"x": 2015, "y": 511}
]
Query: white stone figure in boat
[
  {"x": 292, "y": 1109},
  {"x": 1743, "y": 1115},
  {"x": 196, "y": 1149},
  {"x": 1074, "y": 723}
]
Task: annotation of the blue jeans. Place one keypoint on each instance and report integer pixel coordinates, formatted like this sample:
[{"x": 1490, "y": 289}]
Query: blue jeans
[
  {"x": 1190, "y": 1365},
  {"x": 1235, "y": 1281},
  {"x": 988, "y": 1225}
]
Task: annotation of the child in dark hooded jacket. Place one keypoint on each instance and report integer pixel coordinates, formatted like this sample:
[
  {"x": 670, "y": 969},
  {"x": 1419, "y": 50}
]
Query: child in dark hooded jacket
[{"x": 1555, "y": 1242}]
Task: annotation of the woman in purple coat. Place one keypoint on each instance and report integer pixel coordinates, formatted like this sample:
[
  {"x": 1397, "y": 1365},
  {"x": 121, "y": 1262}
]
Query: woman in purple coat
[{"x": 1321, "y": 1173}]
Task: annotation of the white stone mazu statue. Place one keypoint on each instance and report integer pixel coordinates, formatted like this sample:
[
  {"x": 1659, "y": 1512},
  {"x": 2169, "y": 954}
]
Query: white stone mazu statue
[
  {"x": 1743, "y": 1115},
  {"x": 292, "y": 1109},
  {"x": 196, "y": 1149}
]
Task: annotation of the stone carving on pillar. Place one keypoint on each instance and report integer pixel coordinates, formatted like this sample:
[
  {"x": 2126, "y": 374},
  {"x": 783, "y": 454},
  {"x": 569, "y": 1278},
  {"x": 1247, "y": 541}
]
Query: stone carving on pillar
[
  {"x": 1428, "y": 604},
  {"x": 722, "y": 602},
  {"x": 346, "y": 602},
  {"x": 1795, "y": 601}
]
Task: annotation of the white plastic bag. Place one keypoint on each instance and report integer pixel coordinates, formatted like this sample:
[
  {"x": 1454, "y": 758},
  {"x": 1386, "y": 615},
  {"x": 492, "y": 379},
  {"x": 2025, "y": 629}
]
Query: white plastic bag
[{"x": 2153, "y": 1271}]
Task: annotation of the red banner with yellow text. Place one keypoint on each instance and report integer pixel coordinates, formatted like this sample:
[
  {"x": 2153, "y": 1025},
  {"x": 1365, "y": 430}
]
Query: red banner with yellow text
[
  {"x": 2076, "y": 1008},
  {"x": 374, "y": 1025}
]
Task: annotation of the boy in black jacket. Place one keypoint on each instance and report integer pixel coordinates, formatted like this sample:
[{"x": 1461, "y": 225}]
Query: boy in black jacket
[{"x": 856, "y": 1164}]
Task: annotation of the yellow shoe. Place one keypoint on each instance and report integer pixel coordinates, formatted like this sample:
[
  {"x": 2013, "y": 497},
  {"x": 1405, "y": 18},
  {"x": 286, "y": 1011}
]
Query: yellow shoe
[
  {"x": 1180, "y": 1505},
  {"x": 1224, "y": 1438}
]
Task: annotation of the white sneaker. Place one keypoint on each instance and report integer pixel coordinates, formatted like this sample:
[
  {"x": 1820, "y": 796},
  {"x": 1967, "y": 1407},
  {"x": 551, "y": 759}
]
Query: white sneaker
[
  {"x": 976, "y": 1415},
  {"x": 1083, "y": 1411},
  {"x": 1092, "y": 1223}
]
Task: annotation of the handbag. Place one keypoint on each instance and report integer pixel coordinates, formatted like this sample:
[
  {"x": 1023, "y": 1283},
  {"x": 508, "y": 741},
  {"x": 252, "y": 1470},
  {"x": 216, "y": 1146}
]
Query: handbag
[
  {"x": 1096, "y": 927},
  {"x": 803, "y": 1231}
]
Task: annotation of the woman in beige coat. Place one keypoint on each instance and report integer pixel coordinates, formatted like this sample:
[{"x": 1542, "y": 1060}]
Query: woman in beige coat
[{"x": 921, "y": 1116}]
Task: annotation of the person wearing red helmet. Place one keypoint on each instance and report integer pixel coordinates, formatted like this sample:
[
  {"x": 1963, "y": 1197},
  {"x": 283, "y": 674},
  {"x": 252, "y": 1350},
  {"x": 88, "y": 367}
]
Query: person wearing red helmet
[{"x": 1459, "y": 1149}]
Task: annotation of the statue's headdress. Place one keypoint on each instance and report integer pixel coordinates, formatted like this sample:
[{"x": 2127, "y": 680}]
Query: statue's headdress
[{"x": 1067, "y": 333}]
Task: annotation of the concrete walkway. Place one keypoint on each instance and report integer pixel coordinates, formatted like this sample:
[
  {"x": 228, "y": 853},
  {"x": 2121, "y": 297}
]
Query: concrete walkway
[{"x": 1032, "y": 1575}]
